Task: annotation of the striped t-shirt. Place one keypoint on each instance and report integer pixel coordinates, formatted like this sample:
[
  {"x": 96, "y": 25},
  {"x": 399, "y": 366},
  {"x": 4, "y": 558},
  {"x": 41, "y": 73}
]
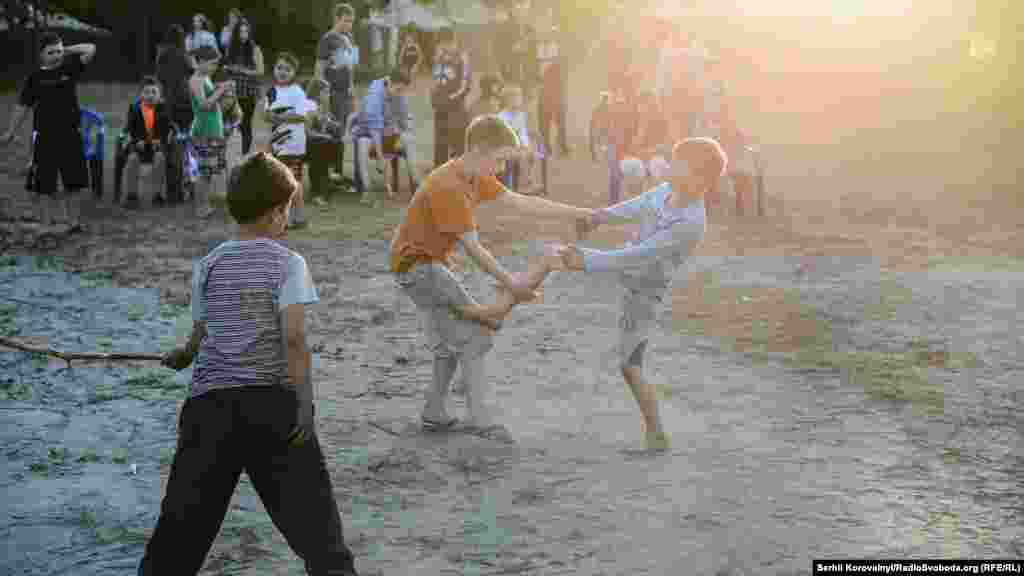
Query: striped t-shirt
[{"x": 240, "y": 290}]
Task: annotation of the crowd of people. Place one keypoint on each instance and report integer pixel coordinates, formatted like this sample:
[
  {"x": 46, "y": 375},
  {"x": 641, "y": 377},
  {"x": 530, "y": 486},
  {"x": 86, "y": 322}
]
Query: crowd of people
[{"x": 249, "y": 294}]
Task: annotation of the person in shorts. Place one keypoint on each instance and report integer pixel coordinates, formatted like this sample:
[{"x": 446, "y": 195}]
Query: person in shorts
[
  {"x": 251, "y": 400},
  {"x": 673, "y": 222},
  {"x": 51, "y": 94}
]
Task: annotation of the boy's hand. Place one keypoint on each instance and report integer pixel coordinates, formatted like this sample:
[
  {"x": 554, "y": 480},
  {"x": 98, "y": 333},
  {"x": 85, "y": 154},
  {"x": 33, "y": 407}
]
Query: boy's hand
[
  {"x": 572, "y": 257},
  {"x": 177, "y": 359},
  {"x": 305, "y": 425},
  {"x": 520, "y": 290}
]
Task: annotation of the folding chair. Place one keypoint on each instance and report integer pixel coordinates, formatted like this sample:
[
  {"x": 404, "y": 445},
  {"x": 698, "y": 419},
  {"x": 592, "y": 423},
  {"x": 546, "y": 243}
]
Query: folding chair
[{"x": 92, "y": 130}]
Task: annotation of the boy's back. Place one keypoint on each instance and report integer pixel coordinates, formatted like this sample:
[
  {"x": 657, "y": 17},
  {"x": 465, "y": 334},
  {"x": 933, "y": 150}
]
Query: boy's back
[{"x": 238, "y": 289}]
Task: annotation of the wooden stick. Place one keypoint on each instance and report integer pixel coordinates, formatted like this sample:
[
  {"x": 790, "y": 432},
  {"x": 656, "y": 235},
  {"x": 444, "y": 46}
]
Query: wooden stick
[{"x": 69, "y": 356}]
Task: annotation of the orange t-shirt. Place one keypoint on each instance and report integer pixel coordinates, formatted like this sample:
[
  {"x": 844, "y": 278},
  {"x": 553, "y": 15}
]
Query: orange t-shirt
[
  {"x": 439, "y": 213},
  {"x": 149, "y": 118}
]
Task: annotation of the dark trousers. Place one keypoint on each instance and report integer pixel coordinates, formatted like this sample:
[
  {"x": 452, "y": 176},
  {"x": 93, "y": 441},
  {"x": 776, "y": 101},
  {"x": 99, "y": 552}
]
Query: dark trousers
[
  {"x": 341, "y": 107},
  {"x": 220, "y": 434},
  {"x": 321, "y": 153},
  {"x": 449, "y": 133},
  {"x": 248, "y": 106}
]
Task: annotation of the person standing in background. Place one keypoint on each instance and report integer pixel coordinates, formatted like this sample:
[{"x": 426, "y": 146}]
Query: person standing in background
[
  {"x": 552, "y": 93},
  {"x": 452, "y": 82},
  {"x": 226, "y": 33},
  {"x": 244, "y": 65},
  {"x": 336, "y": 61},
  {"x": 515, "y": 50},
  {"x": 200, "y": 35},
  {"x": 173, "y": 69},
  {"x": 410, "y": 56}
]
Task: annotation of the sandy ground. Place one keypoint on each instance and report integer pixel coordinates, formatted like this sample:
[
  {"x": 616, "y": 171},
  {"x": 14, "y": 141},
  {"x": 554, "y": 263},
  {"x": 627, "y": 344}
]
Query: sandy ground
[{"x": 868, "y": 406}]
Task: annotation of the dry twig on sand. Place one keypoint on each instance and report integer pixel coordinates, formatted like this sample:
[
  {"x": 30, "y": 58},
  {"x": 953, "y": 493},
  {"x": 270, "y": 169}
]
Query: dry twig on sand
[{"x": 69, "y": 356}]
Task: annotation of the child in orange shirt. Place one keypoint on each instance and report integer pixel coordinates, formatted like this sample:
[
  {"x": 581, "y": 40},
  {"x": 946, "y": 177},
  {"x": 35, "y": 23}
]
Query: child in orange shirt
[{"x": 439, "y": 217}]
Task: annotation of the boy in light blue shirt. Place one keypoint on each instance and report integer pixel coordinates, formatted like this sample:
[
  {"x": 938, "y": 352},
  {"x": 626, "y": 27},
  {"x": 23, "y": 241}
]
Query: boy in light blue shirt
[{"x": 672, "y": 222}]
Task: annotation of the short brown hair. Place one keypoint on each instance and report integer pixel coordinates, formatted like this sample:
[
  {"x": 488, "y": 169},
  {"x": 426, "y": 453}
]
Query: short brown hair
[
  {"x": 258, "y": 185},
  {"x": 344, "y": 9},
  {"x": 290, "y": 59},
  {"x": 489, "y": 132},
  {"x": 705, "y": 156}
]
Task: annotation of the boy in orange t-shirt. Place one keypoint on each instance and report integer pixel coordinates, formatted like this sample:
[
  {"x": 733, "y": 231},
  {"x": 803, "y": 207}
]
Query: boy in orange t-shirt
[{"x": 440, "y": 216}]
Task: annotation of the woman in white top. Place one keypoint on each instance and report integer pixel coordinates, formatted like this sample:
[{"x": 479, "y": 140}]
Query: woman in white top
[{"x": 200, "y": 35}]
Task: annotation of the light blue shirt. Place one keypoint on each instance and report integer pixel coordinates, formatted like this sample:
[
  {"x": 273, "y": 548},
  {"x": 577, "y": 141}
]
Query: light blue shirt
[{"x": 666, "y": 237}]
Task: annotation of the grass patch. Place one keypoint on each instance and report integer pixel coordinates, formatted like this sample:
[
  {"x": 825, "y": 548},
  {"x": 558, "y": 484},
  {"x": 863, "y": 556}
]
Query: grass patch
[
  {"x": 765, "y": 323},
  {"x": 87, "y": 519},
  {"x": 40, "y": 360},
  {"x": 120, "y": 456},
  {"x": 154, "y": 384},
  {"x": 96, "y": 279},
  {"x": 119, "y": 535},
  {"x": 57, "y": 455},
  {"x": 17, "y": 392},
  {"x": 8, "y": 312},
  {"x": 346, "y": 218},
  {"x": 978, "y": 264},
  {"x": 89, "y": 456},
  {"x": 8, "y": 261},
  {"x": 41, "y": 468},
  {"x": 136, "y": 312},
  {"x": 48, "y": 263},
  {"x": 891, "y": 297},
  {"x": 104, "y": 393},
  {"x": 105, "y": 343},
  {"x": 173, "y": 311}
]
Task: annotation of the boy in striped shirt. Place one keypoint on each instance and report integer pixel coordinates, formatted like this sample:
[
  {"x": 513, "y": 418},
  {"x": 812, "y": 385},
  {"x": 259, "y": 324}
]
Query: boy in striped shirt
[
  {"x": 673, "y": 221},
  {"x": 250, "y": 405}
]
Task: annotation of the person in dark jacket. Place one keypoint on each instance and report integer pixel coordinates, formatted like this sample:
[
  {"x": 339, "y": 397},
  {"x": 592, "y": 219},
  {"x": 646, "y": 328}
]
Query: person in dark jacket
[
  {"x": 146, "y": 129},
  {"x": 173, "y": 69},
  {"x": 452, "y": 83}
]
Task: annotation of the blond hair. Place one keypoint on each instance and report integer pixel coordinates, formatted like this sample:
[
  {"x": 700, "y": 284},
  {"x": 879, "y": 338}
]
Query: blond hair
[{"x": 489, "y": 132}]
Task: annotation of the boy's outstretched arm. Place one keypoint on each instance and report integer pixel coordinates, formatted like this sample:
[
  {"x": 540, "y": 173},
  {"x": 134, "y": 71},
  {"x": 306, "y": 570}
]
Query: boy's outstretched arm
[
  {"x": 471, "y": 243},
  {"x": 540, "y": 207}
]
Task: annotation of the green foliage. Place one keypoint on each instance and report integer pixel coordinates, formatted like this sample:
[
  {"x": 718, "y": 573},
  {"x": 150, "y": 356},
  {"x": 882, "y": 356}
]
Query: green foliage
[
  {"x": 95, "y": 279},
  {"x": 8, "y": 261},
  {"x": 49, "y": 263},
  {"x": 120, "y": 456},
  {"x": 11, "y": 391},
  {"x": 57, "y": 455},
  {"x": 89, "y": 456},
  {"x": 8, "y": 312},
  {"x": 136, "y": 312}
]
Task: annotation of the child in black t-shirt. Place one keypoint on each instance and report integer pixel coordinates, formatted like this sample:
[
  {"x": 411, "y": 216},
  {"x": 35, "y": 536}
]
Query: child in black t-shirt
[{"x": 51, "y": 93}]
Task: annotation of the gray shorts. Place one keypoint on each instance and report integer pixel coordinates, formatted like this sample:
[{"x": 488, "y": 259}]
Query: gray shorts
[
  {"x": 435, "y": 290},
  {"x": 639, "y": 309}
]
